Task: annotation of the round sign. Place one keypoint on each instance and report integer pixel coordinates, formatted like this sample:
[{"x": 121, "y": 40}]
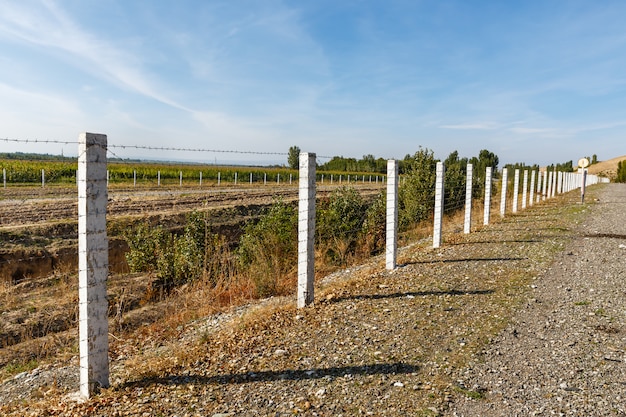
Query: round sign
[{"x": 583, "y": 162}]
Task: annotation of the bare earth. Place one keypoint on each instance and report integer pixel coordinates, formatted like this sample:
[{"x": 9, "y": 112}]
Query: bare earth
[{"x": 527, "y": 315}]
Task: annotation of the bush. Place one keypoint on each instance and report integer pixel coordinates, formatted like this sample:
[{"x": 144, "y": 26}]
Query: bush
[
  {"x": 339, "y": 221},
  {"x": 268, "y": 249},
  {"x": 416, "y": 195},
  {"x": 178, "y": 259},
  {"x": 374, "y": 226}
]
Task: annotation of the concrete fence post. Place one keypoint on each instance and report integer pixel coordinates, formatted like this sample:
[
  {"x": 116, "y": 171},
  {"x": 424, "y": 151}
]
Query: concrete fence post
[
  {"x": 93, "y": 263},
  {"x": 4, "y": 177},
  {"x": 532, "y": 188},
  {"x": 180, "y": 178},
  {"x": 467, "y": 226},
  {"x": 158, "y": 178},
  {"x": 544, "y": 189},
  {"x": 549, "y": 184},
  {"x": 505, "y": 183},
  {"x": 583, "y": 185},
  {"x": 554, "y": 175},
  {"x": 107, "y": 177},
  {"x": 251, "y": 178},
  {"x": 43, "y": 178},
  {"x": 265, "y": 179},
  {"x": 278, "y": 178},
  {"x": 525, "y": 189},
  {"x": 200, "y": 178},
  {"x": 290, "y": 179},
  {"x": 391, "y": 239},
  {"x": 515, "y": 191},
  {"x": 219, "y": 178},
  {"x": 439, "y": 194},
  {"x": 487, "y": 209},
  {"x": 134, "y": 178},
  {"x": 306, "y": 229},
  {"x": 236, "y": 178}
]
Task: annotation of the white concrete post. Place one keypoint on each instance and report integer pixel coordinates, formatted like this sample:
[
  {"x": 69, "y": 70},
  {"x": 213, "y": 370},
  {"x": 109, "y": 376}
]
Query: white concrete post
[
  {"x": 200, "y": 178},
  {"x": 538, "y": 186},
  {"x": 289, "y": 179},
  {"x": 134, "y": 178},
  {"x": 505, "y": 181},
  {"x": 544, "y": 189},
  {"x": 515, "y": 190},
  {"x": 553, "y": 183},
  {"x": 4, "y": 177},
  {"x": 525, "y": 189},
  {"x": 439, "y": 194},
  {"x": 265, "y": 179},
  {"x": 159, "y": 178},
  {"x": 487, "y": 211},
  {"x": 107, "y": 177},
  {"x": 583, "y": 184},
  {"x": 43, "y": 178},
  {"x": 278, "y": 178},
  {"x": 235, "y": 178},
  {"x": 93, "y": 263},
  {"x": 180, "y": 178},
  {"x": 376, "y": 179},
  {"x": 370, "y": 179},
  {"x": 532, "y": 187},
  {"x": 322, "y": 178},
  {"x": 392, "y": 215},
  {"x": 468, "y": 199},
  {"x": 251, "y": 178},
  {"x": 306, "y": 229},
  {"x": 348, "y": 178},
  {"x": 559, "y": 183},
  {"x": 549, "y": 184},
  {"x": 331, "y": 179},
  {"x": 340, "y": 178},
  {"x": 219, "y": 178}
]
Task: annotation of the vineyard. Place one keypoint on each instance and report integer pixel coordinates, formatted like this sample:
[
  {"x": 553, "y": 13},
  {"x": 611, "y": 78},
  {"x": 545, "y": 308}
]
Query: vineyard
[{"x": 62, "y": 171}]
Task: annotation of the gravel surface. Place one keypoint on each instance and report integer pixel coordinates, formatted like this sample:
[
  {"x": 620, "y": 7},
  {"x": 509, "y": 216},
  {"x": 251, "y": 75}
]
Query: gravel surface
[
  {"x": 525, "y": 315},
  {"x": 564, "y": 353}
]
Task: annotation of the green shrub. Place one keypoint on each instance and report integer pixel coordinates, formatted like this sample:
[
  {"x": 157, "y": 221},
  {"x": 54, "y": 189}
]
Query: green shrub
[
  {"x": 374, "y": 226},
  {"x": 416, "y": 194},
  {"x": 339, "y": 223},
  {"x": 268, "y": 249}
]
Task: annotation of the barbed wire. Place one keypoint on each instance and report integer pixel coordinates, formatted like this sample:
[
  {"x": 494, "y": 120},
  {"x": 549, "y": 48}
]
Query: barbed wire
[{"x": 55, "y": 141}]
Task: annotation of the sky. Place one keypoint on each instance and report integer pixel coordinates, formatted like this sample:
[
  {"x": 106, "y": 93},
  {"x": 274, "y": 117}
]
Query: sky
[{"x": 533, "y": 81}]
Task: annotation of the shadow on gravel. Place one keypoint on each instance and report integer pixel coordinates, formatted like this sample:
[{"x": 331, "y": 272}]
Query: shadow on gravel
[
  {"x": 605, "y": 235},
  {"x": 268, "y": 376},
  {"x": 408, "y": 294},
  {"x": 446, "y": 261},
  {"x": 483, "y": 242}
]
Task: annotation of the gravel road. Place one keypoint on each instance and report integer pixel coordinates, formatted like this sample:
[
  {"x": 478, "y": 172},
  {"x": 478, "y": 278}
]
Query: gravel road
[{"x": 565, "y": 351}]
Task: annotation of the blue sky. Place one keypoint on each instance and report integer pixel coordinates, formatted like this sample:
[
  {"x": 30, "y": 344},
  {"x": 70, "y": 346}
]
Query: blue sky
[{"x": 532, "y": 81}]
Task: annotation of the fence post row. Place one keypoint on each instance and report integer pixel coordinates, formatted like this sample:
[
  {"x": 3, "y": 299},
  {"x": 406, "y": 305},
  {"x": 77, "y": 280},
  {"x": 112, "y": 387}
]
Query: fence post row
[
  {"x": 391, "y": 241},
  {"x": 306, "y": 229},
  {"x": 439, "y": 195},
  {"x": 93, "y": 263},
  {"x": 468, "y": 199}
]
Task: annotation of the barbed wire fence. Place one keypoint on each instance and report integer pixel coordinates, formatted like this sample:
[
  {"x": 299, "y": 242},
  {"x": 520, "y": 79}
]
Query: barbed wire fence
[{"x": 25, "y": 258}]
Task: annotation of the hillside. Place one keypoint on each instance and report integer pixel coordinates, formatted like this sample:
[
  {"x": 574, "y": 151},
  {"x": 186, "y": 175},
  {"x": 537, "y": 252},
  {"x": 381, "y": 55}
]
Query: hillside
[{"x": 606, "y": 168}]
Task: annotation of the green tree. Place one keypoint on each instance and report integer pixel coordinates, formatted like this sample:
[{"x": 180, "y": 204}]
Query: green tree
[
  {"x": 621, "y": 171},
  {"x": 293, "y": 157}
]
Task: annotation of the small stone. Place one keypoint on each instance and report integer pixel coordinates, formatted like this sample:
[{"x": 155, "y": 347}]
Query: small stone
[
  {"x": 563, "y": 385},
  {"x": 320, "y": 392},
  {"x": 398, "y": 384},
  {"x": 280, "y": 352}
]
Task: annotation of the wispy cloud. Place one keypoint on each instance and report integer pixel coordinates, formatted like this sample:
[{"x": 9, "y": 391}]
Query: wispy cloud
[
  {"x": 472, "y": 126},
  {"x": 46, "y": 25}
]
